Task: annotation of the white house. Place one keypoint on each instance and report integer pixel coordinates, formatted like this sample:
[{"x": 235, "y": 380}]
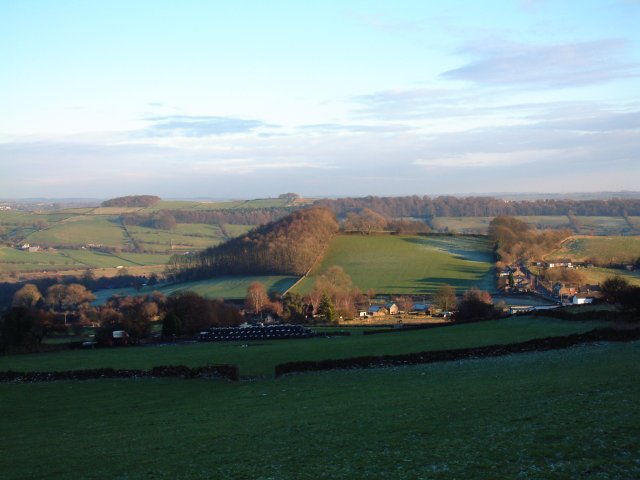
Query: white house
[{"x": 581, "y": 299}]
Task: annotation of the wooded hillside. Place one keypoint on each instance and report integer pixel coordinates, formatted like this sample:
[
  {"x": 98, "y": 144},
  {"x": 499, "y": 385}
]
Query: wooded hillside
[
  {"x": 132, "y": 201},
  {"x": 288, "y": 246}
]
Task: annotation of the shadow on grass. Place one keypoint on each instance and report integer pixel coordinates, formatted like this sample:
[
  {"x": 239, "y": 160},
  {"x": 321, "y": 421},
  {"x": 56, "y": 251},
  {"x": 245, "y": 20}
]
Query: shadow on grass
[
  {"x": 469, "y": 249},
  {"x": 283, "y": 284}
]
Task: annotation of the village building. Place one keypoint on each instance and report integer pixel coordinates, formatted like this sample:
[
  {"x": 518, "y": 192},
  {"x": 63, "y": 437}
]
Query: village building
[
  {"x": 581, "y": 299},
  {"x": 562, "y": 262},
  {"x": 392, "y": 308},
  {"x": 377, "y": 311}
]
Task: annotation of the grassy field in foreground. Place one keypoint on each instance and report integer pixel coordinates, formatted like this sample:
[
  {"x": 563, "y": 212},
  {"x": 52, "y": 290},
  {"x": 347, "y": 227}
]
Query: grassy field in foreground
[
  {"x": 409, "y": 264},
  {"x": 260, "y": 358},
  {"x": 543, "y": 416},
  {"x": 229, "y": 288}
]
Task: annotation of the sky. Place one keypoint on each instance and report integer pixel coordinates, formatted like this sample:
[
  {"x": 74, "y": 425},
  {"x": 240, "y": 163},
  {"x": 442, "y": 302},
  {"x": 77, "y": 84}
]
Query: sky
[{"x": 251, "y": 99}]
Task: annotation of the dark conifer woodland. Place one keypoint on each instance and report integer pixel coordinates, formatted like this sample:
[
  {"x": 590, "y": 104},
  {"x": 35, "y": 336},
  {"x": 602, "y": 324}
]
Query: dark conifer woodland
[{"x": 288, "y": 246}]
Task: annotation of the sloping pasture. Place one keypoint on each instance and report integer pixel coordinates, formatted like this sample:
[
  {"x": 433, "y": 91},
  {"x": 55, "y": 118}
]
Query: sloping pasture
[
  {"x": 82, "y": 230},
  {"x": 605, "y": 249},
  {"x": 399, "y": 264},
  {"x": 229, "y": 288}
]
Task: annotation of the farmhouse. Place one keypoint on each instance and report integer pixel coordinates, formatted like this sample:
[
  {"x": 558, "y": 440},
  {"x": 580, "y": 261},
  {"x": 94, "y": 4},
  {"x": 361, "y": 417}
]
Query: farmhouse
[
  {"x": 562, "y": 290},
  {"x": 392, "y": 308},
  {"x": 581, "y": 299},
  {"x": 562, "y": 262},
  {"x": 30, "y": 248},
  {"x": 420, "y": 308},
  {"x": 378, "y": 311}
]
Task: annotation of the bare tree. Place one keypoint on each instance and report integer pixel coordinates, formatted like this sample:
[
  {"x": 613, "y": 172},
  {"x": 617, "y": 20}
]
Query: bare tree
[
  {"x": 256, "y": 298},
  {"x": 445, "y": 297}
]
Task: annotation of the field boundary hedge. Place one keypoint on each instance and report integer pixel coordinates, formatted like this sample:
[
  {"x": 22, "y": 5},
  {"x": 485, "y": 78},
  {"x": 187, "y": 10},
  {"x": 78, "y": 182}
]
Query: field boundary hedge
[
  {"x": 536, "y": 345},
  {"x": 410, "y": 327},
  {"x": 229, "y": 372}
]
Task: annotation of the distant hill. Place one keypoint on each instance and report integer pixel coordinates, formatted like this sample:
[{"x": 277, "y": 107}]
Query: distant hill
[{"x": 142, "y": 201}]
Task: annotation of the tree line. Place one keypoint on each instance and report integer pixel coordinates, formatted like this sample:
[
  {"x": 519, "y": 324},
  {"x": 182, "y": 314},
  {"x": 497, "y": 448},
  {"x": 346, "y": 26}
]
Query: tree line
[
  {"x": 132, "y": 201},
  {"x": 449, "y": 206},
  {"x": 34, "y": 315},
  {"x": 288, "y": 246},
  {"x": 166, "y": 219}
]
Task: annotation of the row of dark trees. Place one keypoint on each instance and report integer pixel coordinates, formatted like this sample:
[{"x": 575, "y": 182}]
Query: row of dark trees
[
  {"x": 162, "y": 220},
  {"x": 288, "y": 246},
  {"x": 422, "y": 207},
  {"x": 88, "y": 280},
  {"x": 142, "y": 201},
  {"x": 450, "y": 206},
  {"x": 33, "y": 317},
  {"x": 240, "y": 216}
]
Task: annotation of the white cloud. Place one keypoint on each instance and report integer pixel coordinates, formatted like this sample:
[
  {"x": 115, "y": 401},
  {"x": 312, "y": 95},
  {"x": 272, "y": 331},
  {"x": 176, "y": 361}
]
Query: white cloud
[{"x": 502, "y": 62}]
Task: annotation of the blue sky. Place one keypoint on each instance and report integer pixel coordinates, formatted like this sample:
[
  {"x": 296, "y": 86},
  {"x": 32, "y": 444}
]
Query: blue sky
[{"x": 246, "y": 99}]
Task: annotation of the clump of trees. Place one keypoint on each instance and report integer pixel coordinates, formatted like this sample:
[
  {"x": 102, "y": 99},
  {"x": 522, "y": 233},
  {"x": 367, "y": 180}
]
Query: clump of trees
[
  {"x": 618, "y": 291},
  {"x": 132, "y": 201},
  {"x": 334, "y": 288},
  {"x": 405, "y": 226},
  {"x": 515, "y": 241},
  {"x": 288, "y": 246},
  {"x": 34, "y": 316},
  {"x": 562, "y": 275},
  {"x": 365, "y": 221},
  {"x": 65, "y": 299},
  {"x": 368, "y": 221},
  {"x": 162, "y": 220},
  {"x": 24, "y": 327},
  {"x": 445, "y": 298},
  {"x": 475, "y": 305}
]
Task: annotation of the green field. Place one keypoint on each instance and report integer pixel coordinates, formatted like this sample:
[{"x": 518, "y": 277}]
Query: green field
[
  {"x": 114, "y": 210},
  {"x": 96, "y": 259},
  {"x": 606, "y": 249},
  {"x": 82, "y": 230},
  {"x": 543, "y": 221},
  {"x": 603, "y": 226},
  {"x": 481, "y": 224},
  {"x": 221, "y": 205},
  {"x": 398, "y": 264},
  {"x": 462, "y": 224},
  {"x": 229, "y": 288},
  {"x": 14, "y": 260},
  {"x": 554, "y": 415},
  {"x": 237, "y": 230},
  {"x": 183, "y": 237},
  {"x": 599, "y": 275},
  {"x": 260, "y": 358}
]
